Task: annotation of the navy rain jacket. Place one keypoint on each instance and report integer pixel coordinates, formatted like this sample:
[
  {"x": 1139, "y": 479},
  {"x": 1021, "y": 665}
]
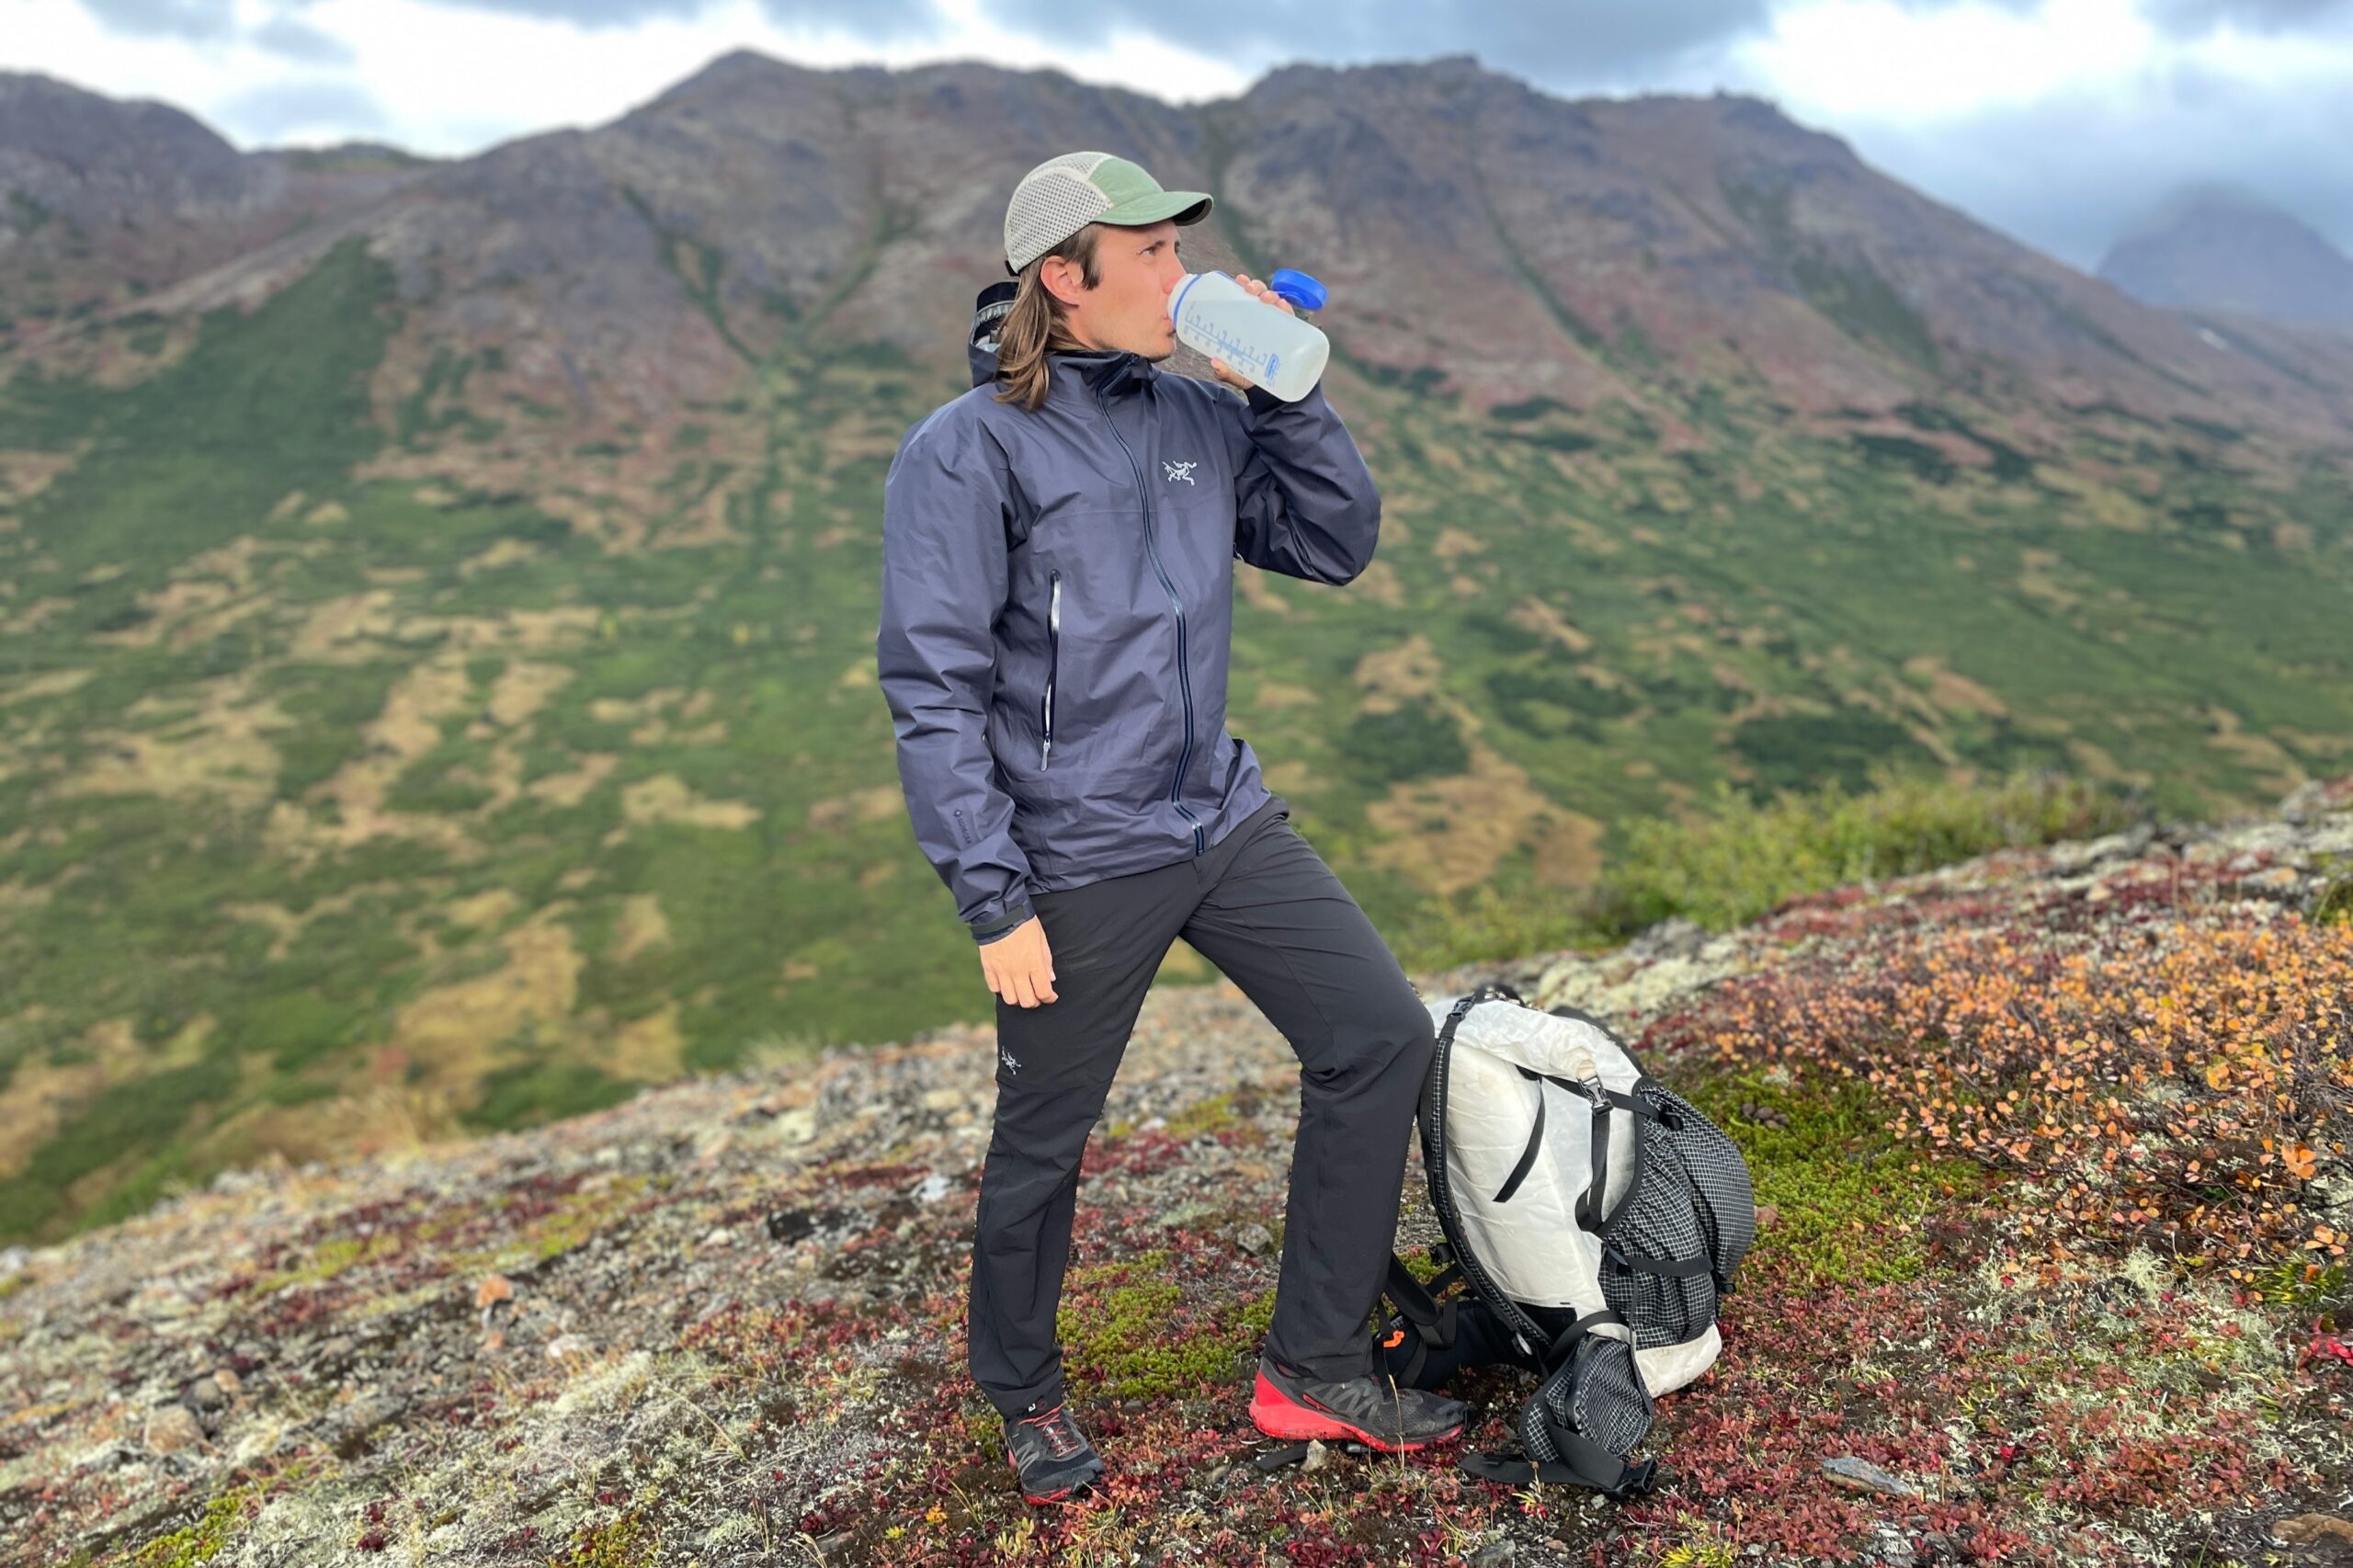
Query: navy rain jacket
[{"x": 1058, "y": 607}]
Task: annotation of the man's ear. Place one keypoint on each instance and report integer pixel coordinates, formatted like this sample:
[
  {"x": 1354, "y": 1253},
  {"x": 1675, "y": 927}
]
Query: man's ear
[{"x": 1064, "y": 279}]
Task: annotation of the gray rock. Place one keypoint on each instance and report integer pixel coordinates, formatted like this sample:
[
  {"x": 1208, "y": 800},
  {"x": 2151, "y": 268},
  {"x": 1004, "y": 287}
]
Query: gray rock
[
  {"x": 109, "y": 1455},
  {"x": 1861, "y": 1475},
  {"x": 368, "y": 1411},
  {"x": 1252, "y": 1238},
  {"x": 172, "y": 1428},
  {"x": 2306, "y": 802},
  {"x": 1675, "y": 936},
  {"x": 1496, "y": 1554}
]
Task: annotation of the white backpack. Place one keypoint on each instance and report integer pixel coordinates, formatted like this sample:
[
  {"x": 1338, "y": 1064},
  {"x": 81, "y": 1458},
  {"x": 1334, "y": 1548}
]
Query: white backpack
[{"x": 1594, "y": 1214}]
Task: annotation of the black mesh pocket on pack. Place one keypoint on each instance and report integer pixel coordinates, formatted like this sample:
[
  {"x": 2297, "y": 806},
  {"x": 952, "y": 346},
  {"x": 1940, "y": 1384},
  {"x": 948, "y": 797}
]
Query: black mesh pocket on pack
[
  {"x": 1660, "y": 1228},
  {"x": 1686, "y": 1224},
  {"x": 1718, "y": 1179},
  {"x": 1597, "y": 1394}
]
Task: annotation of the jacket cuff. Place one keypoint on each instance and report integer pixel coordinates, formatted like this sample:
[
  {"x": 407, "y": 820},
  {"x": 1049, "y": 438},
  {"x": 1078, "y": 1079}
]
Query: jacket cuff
[
  {"x": 1261, "y": 400},
  {"x": 990, "y": 930}
]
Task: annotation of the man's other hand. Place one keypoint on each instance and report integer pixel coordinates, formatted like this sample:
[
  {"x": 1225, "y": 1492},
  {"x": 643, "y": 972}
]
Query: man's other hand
[
  {"x": 1019, "y": 967},
  {"x": 1265, "y": 296}
]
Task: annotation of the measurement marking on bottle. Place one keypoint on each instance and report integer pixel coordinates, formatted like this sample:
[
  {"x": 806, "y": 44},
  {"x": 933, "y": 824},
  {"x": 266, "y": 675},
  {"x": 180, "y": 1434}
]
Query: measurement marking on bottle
[{"x": 1225, "y": 346}]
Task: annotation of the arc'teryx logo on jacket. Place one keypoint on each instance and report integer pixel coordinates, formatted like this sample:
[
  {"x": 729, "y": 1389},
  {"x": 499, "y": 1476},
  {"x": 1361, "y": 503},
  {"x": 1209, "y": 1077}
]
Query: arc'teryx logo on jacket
[{"x": 1056, "y": 612}]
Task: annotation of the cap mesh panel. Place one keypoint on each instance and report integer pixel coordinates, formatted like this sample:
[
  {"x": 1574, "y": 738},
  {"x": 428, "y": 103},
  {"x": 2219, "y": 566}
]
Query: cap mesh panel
[{"x": 1053, "y": 202}]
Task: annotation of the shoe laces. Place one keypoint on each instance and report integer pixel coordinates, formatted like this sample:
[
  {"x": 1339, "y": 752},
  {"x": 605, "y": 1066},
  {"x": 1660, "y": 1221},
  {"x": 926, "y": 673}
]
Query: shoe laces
[{"x": 1060, "y": 1433}]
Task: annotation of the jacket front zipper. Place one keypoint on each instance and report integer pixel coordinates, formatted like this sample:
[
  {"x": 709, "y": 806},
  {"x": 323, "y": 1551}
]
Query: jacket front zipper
[
  {"x": 1184, "y": 673},
  {"x": 1053, "y": 661}
]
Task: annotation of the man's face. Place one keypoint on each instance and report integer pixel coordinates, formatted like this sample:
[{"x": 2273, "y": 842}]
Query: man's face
[{"x": 1128, "y": 307}]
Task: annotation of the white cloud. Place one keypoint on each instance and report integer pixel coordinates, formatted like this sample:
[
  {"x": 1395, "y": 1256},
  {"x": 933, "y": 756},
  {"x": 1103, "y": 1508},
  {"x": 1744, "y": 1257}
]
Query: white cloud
[
  {"x": 1845, "y": 59},
  {"x": 2063, "y": 124},
  {"x": 2056, "y": 119},
  {"x": 448, "y": 79}
]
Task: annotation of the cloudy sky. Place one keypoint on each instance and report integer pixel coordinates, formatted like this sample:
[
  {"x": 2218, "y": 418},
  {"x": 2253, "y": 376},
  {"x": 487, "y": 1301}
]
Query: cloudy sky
[{"x": 2061, "y": 121}]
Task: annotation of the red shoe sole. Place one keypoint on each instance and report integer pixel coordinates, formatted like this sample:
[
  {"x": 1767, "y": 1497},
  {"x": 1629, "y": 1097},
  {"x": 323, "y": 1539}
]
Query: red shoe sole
[{"x": 1278, "y": 1414}]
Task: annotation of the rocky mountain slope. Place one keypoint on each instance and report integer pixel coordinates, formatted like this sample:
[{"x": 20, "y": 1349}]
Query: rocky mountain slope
[
  {"x": 437, "y": 602},
  {"x": 1515, "y": 246},
  {"x": 2050, "y": 1148},
  {"x": 103, "y": 202},
  {"x": 2216, "y": 251}
]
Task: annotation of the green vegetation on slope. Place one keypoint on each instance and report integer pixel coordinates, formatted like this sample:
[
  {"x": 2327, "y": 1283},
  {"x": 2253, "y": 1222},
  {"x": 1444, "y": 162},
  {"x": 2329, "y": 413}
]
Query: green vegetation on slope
[
  {"x": 1749, "y": 856},
  {"x": 362, "y": 782}
]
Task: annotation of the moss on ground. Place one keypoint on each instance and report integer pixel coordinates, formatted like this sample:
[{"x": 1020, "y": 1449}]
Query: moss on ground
[
  {"x": 201, "y": 1542},
  {"x": 1852, "y": 1201},
  {"x": 1213, "y": 1114},
  {"x": 581, "y": 1216},
  {"x": 2335, "y": 902},
  {"x": 1131, "y": 1335},
  {"x": 329, "y": 1258},
  {"x": 629, "y": 1541}
]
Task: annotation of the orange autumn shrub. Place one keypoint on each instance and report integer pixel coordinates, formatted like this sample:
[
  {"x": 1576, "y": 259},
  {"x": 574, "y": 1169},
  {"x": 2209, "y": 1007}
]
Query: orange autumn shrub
[{"x": 2184, "y": 1085}]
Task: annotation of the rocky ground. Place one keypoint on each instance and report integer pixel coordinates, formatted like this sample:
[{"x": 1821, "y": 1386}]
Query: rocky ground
[{"x": 2049, "y": 1147}]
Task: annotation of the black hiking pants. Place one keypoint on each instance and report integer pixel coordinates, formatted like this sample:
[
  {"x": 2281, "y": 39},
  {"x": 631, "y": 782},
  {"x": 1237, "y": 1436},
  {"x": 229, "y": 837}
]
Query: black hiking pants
[{"x": 1263, "y": 908}]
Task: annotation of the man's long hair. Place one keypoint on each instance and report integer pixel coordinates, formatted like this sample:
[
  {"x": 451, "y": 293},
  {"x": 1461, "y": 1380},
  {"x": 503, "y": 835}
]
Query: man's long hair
[{"x": 1035, "y": 327}]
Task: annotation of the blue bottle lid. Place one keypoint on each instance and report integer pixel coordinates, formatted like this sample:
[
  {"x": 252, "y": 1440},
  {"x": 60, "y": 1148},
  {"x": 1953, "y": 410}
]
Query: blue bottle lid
[{"x": 1297, "y": 287}]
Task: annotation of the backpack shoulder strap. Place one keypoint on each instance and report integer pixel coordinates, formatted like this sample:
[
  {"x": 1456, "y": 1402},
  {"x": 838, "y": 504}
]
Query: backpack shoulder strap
[
  {"x": 1434, "y": 1322},
  {"x": 1431, "y": 1117}
]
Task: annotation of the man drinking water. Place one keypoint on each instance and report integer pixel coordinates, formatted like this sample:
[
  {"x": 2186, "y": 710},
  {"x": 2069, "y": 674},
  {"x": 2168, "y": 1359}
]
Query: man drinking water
[{"x": 1057, "y": 601}]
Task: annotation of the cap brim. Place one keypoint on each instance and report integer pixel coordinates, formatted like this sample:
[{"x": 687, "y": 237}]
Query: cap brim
[{"x": 1184, "y": 206}]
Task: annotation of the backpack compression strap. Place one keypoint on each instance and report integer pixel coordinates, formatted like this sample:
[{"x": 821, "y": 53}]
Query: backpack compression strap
[
  {"x": 1588, "y": 1208},
  {"x": 1583, "y": 1462},
  {"x": 1588, "y": 1464}
]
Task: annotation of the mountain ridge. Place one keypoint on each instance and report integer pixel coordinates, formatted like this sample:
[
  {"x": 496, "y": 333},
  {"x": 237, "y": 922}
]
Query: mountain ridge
[
  {"x": 2225, "y": 251},
  {"x": 1836, "y": 286}
]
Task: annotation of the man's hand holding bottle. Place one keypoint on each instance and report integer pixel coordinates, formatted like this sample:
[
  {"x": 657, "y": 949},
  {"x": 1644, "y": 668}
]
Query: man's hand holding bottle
[{"x": 1265, "y": 294}]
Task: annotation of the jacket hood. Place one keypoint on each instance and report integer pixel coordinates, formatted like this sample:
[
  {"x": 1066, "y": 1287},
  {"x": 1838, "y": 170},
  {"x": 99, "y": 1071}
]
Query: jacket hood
[
  {"x": 995, "y": 303},
  {"x": 1110, "y": 370}
]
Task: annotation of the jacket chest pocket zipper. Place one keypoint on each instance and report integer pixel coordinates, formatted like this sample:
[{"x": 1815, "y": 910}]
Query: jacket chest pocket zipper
[{"x": 1053, "y": 661}]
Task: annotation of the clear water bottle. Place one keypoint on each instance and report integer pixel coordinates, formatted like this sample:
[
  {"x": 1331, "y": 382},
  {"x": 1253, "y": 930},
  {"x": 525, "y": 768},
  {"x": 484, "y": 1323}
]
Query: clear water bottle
[{"x": 1258, "y": 342}]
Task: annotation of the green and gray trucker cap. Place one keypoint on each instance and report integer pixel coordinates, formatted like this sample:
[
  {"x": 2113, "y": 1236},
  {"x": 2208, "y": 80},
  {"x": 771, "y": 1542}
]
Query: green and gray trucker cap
[{"x": 1064, "y": 195}]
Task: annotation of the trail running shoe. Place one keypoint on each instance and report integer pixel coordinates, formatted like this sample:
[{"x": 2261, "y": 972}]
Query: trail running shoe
[
  {"x": 1050, "y": 1453},
  {"x": 1371, "y": 1410}
]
